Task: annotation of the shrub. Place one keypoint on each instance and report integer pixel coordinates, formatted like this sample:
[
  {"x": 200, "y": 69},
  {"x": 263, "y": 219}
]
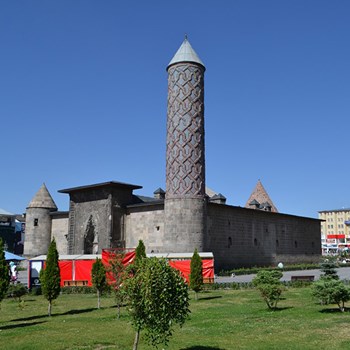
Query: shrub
[
  {"x": 17, "y": 291},
  {"x": 270, "y": 287},
  {"x": 331, "y": 291}
]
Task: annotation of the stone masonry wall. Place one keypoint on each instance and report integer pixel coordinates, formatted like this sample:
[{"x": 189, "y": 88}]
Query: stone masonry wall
[
  {"x": 38, "y": 234},
  {"x": 247, "y": 237},
  {"x": 98, "y": 211},
  {"x": 146, "y": 223},
  {"x": 185, "y": 225},
  {"x": 59, "y": 232}
]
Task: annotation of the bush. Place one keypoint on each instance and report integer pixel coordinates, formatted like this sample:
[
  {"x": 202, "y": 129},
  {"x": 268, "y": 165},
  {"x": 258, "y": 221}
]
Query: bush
[
  {"x": 331, "y": 291},
  {"x": 78, "y": 290},
  {"x": 36, "y": 290},
  {"x": 255, "y": 269},
  {"x": 17, "y": 291},
  {"x": 270, "y": 287}
]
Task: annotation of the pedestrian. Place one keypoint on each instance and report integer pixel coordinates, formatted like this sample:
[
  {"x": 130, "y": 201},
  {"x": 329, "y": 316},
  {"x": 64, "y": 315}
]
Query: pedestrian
[{"x": 13, "y": 270}]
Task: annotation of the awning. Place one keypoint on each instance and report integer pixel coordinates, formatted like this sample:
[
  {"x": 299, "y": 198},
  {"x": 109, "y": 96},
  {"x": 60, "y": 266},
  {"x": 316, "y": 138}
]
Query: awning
[{"x": 11, "y": 256}]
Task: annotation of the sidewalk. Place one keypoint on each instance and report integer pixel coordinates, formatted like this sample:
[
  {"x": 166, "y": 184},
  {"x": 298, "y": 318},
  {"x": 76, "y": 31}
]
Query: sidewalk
[{"x": 343, "y": 273}]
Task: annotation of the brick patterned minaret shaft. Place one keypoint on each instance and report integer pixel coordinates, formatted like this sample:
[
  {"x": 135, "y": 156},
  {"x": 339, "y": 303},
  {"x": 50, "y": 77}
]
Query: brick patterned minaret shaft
[{"x": 185, "y": 201}]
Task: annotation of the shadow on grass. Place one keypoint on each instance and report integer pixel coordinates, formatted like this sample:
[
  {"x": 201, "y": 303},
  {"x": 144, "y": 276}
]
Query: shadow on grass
[
  {"x": 200, "y": 347},
  {"x": 334, "y": 310},
  {"x": 20, "y": 325},
  {"x": 209, "y": 298},
  {"x": 282, "y": 308},
  {"x": 70, "y": 312}
]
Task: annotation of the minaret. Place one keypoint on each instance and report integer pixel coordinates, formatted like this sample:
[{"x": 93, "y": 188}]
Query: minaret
[
  {"x": 38, "y": 223},
  {"x": 185, "y": 199}
]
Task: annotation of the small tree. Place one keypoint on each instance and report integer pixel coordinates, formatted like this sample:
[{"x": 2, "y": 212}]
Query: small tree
[
  {"x": 158, "y": 299},
  {"x": 331, "y": 291},
  {"x": 119, "y": 273},
  {"x": 4, "y": 273},
  {"x": 328, "y": 267},
  {"x": 140, "y": 253},
  {"x": 196, "y": 274},
  {"x": 50, "y": 276},
  {"x": 98, "y": 278},
  {"x": 270, "y": 287}
]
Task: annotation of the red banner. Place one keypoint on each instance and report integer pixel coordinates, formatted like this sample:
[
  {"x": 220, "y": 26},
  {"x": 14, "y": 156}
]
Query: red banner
[{"x": 336, "y": 236}]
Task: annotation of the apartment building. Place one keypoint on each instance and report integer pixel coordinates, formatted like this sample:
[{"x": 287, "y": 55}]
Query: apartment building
[{"x": 335, "y": 227}]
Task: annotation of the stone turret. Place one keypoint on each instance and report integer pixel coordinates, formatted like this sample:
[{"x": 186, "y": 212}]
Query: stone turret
[
  {"x": 185, "y": 200},
  {"x": 38, "y": 223}
]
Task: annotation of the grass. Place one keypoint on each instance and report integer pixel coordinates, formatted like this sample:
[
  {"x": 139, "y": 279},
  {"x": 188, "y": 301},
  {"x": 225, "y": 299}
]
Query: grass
[{"x": 220, "y": 320}]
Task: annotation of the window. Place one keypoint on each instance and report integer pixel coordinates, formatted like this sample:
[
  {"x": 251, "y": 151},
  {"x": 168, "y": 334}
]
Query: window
[{"x": 36, "y": 222}]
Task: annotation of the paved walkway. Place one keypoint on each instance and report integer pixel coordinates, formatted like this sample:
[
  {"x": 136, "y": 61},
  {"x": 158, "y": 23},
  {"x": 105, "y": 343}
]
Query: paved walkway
[{"x": 343, "y": 273}]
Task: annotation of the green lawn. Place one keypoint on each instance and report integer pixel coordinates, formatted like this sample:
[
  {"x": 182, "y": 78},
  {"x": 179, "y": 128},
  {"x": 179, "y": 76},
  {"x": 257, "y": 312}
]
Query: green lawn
[{"x": 219, "y": 320}]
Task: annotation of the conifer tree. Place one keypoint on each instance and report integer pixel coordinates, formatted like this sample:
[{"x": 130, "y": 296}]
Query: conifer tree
[
  {"x": 98, "y": 276},
  {"x": 196, "y": 274},
  {"x": 4, "y": 273},
  {"x": 140, "y": 253},
  {"x": 329, "y": 269},
  {"x": 50, "y": 276}
]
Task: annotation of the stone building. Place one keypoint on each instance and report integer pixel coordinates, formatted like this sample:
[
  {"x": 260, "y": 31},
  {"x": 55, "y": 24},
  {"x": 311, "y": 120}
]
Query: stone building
[{"x": 183, "y": 217}]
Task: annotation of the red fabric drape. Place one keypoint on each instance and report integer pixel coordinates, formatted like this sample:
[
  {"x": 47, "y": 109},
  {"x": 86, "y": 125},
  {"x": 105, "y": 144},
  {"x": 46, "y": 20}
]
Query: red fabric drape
[
  {"x": 83, "y": 270},
  {"x": 184, "y": 266},
  {"x": 108, "y": 255},
  {"x": 66, "y": 270}
]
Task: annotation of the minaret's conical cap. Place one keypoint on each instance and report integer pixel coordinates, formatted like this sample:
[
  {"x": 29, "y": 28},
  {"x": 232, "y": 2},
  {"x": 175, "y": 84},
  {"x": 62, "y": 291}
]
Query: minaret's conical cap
[
  {"x": 185, "y": 54},
  {"x": 43, "y": 199}
]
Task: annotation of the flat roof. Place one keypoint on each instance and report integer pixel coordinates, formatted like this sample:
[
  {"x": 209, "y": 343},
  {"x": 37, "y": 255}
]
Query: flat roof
[
  {"x": 102, "y": 184},
  {"x": 334, "y": 210},
  {"x": 69, "y": 257},
  {"x": 208, "y": 255}
]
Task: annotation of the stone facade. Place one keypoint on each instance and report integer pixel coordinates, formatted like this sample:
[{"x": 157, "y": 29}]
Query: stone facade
[
  {"x": 59, "y": 229},
  {"x": 38, "y": 231},
  {"x": 96, "y": 216},
  {"x": 145, "y": 222},
  {"x": 245, "y": 237}
]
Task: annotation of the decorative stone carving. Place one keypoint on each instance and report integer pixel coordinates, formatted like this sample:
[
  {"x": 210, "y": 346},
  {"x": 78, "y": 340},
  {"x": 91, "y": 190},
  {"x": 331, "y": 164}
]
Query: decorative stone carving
[{"x": 185, "y": 167}]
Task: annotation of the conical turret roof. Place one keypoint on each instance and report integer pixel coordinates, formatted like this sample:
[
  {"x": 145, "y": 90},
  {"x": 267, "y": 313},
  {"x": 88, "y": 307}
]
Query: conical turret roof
[
  {"x": 43, "y": 199},
  {"x": 259, "y": 196},
  {"x": 185, "y": 54}
]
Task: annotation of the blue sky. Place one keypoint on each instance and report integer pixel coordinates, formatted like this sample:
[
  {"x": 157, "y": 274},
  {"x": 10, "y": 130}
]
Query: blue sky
[{"x": 83, "y": 93}]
